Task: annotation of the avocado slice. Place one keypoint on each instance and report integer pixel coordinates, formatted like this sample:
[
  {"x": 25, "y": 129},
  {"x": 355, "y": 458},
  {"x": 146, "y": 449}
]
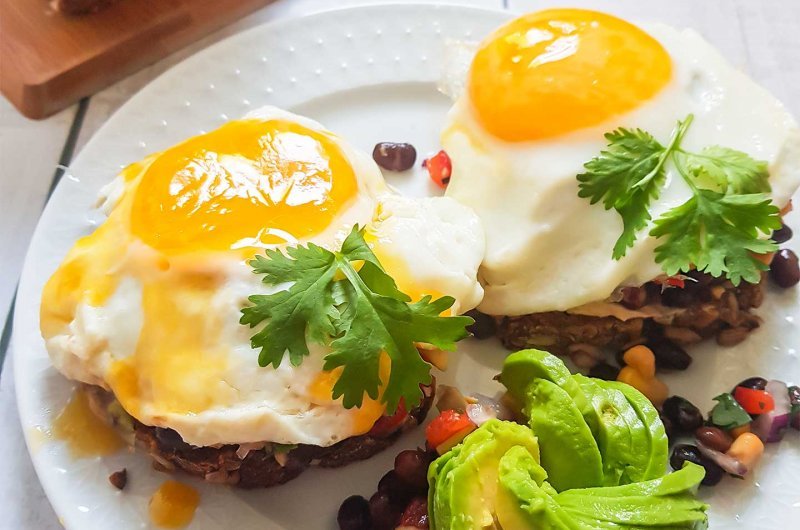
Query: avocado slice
[
  {"x": 464, "y": 486},
  {"x": 657, "y": 443},
  {"x": 569, "y": 452},
  {"x": 666, "y": 502},
  {"x": 524, "y": 500},
  {"x": 615, "y": 433},
  {"x": 521, "y": 368}
]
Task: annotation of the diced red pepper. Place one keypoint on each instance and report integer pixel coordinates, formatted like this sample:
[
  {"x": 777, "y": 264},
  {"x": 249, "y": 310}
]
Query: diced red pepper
[
  {"x": 754, "y": 401},
  {"x": 673, "y": 281},
  {"x": 439, "y": 168},
  {"x": 386, "y": 425},
  {"x": 446, "y": 425}
]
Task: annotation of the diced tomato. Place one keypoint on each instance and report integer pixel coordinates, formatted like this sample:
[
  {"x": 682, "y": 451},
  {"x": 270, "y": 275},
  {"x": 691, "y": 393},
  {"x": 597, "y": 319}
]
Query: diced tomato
[
  {"x": 439, "y": 168},
  {"x": 754, "y": 401},
  {"x": 674, "y": 281},
  {"x": 386, "y": 425},
  {"x": 445, "y": 425}
]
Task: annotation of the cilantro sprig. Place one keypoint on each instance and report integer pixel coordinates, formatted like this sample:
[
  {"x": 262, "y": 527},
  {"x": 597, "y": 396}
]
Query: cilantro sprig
[
  {"x": 345, "y": 299},
  {"x": 728, "y": 414},
  {"x": 718, "y": 230}
]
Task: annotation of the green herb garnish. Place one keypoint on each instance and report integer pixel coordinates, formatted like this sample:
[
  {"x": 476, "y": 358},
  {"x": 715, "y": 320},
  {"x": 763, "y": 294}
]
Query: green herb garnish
[
  {"x": 346, "y": 300},
  {"x": 728, "y": 414},
  {"x": 716, "y": 231}
]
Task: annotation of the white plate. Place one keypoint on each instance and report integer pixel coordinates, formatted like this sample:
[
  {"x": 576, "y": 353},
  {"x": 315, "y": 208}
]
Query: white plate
[{"x": 369, "y": 74}]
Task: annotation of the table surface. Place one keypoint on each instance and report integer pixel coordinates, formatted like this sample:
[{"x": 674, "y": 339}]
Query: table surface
[{"x": 759, "y": 36}]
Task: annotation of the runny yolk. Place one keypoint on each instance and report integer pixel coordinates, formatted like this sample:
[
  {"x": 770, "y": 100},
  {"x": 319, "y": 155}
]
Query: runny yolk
[
  {"x": 560, "y": 70},
  {"x": 173, "y": 505},
  {"x": 364, "y": 417},
  {"x": 86, "y": 434},
  {"x": 249, "y": 183}
]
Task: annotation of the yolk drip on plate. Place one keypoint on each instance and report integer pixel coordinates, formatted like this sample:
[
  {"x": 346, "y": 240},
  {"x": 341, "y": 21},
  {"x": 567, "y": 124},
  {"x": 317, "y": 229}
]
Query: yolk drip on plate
[
  {"x": 529, "y": 79},
  {"x": 84, "y": 432},
  {"x": 173, "y": 505}
]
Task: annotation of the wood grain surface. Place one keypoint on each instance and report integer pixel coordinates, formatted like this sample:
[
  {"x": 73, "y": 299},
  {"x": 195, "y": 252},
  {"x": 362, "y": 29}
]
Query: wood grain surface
[{"x": 50, "y": 60}]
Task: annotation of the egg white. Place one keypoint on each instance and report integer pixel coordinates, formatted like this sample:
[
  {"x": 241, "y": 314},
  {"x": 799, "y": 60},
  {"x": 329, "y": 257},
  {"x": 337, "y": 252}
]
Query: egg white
[
  {"x": 434, "y": 244},
  {"x": 548, "y": 249}
]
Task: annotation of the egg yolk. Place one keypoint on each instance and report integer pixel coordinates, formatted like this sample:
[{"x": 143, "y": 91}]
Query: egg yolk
[
  {"x": 250, "y": 183},
  {"x": 560, "y": 70}
]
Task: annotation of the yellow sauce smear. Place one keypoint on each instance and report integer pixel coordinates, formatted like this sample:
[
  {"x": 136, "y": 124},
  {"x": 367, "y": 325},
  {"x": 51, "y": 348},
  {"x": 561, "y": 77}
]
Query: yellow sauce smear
[
  {"x": 86, "y": 435},
  {"x": 179, "y": 363},
  {"x": 173, "y": 505}
]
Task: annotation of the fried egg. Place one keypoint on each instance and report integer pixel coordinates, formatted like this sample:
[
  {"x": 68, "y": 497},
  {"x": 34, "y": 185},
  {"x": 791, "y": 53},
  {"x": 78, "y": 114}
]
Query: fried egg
[
  {"x": 538, "y": 96},
  {"x": 148, "y": 305}
]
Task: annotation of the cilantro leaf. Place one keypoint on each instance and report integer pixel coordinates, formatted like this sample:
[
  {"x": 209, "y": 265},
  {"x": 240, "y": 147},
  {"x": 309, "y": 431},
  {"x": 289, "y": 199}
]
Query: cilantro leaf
[
  {"x": 347, "y": 301},
  {"x": 728, "y": 414},
  {"x": 729, "y": 170},
  {"x": 632, "y": 157},
  {"x": 718, "y": 230},
  {"x": 305, "y": 309},
  {"x": 717, "y": 233}
]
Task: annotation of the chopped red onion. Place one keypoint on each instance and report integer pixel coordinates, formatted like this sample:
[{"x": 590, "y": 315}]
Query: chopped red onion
[
  {"x": 771, "y": 427},
  {"x": 487, "y": 408},
  {"x": 728, "y": 463}
]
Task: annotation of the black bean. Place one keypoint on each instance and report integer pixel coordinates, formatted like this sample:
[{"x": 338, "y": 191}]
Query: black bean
[
  {"x": 669, "y": 427},
  {"x": 684, "y": 416},
  {"x": 685, "y": 453},
  {"x": 669, "y": 356},
  {"x": 714, "y": 437},
  {"x": 394, "y": 156},
  {"x": 756, "y": 383},
  {"x": 383, "y": 512},
  {"x": 354, "y": 514},
  {"x": 604, "y": 371},
  {"x": 484, "y": 326},
  {"x": 392, "y": 485},
  {"x": 411, "y": 467},
  {"x": 783, "y": 234},
  {"x": 689, "y": 453},
  {"x": 714, "y": 473},
  {"x": 785, "y": 269}
]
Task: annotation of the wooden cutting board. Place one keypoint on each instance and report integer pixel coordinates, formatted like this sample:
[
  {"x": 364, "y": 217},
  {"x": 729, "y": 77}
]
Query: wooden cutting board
[{"x": 49, "y": 60}]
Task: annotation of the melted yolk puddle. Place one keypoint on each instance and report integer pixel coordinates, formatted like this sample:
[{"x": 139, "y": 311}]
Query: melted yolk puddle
[
  {"x": 560, "y": 70},
  {"x": 173, "y": 505},
  {"x": 321, "y": 391},
  {"x": 85, "y": 434},
  {"x": 250, "y": 183}
]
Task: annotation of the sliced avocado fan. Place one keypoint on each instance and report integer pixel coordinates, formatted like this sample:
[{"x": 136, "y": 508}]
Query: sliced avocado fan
[
  {"x": 463, "y": 482},
  {"x": 623, "y": 439},
  {"x": 525, "y": 501},
  {"x": 658, "y": 443},
  {"x": 522, "y": 367},
  {"x": 569, "y": 450}
]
